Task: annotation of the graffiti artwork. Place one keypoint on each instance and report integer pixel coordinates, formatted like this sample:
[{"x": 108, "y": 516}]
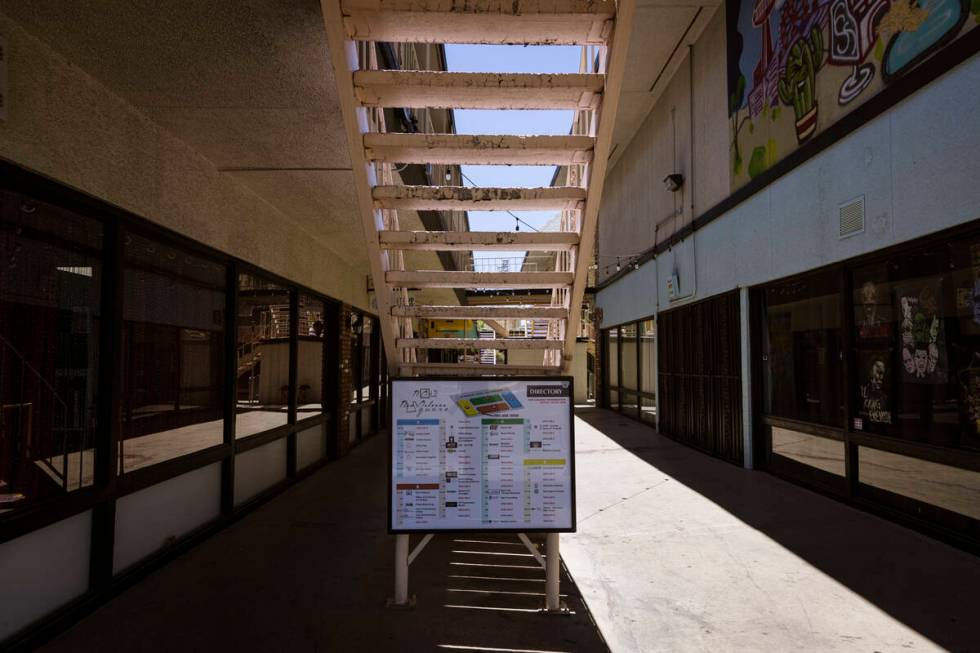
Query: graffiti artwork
[
  {"x": 872, "y": 311},
  {"x": 821, "y": 58},
  {"x": 875, "y": 374},
  {"x": 970, "y": 387},
  {"x": 922, "y": 333}
]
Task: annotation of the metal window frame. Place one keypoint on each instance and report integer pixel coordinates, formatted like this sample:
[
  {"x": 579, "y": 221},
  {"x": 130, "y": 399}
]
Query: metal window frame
[
  {"x": 855, "y": 493},
  {"x": 108, "y": 485}
]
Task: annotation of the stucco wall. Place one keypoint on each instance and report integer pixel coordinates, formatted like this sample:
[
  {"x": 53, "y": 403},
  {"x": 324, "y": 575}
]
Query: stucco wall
[
  {"x": 916, "y": 166},
  {"x": 68, "y": 126},
  {"x": 636, "y": 210}
]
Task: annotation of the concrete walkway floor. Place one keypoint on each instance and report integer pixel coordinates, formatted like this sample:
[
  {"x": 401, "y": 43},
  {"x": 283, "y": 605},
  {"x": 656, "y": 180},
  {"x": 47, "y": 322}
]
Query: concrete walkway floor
[
  {"x": 676, "y": 551},
  {"x": 310, "y": 570}
]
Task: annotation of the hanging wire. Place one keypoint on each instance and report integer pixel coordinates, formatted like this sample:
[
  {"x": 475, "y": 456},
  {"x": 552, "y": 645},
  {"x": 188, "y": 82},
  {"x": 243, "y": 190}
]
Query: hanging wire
[{"x": 519, "y": 221}]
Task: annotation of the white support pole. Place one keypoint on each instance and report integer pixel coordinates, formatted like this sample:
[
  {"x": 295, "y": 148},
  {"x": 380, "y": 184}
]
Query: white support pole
[
  {"x": 746, "y": 338},
  {"x": 401, "y": 570},
  {"x": 552, "y": 601}
]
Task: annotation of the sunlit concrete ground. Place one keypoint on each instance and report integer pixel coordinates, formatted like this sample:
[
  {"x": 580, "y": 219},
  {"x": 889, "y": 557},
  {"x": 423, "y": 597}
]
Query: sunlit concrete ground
[{"x": 676, "y": 551}]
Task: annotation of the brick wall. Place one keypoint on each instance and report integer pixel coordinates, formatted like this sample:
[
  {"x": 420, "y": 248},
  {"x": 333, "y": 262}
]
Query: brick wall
[
  {"x": 345, "y": 384},
  {"x": 600, "y": 378}
]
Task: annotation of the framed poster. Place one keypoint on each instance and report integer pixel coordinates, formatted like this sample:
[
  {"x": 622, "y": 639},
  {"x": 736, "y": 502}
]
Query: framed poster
[
  {"x": 481, "y": 454},
  {"x": 922, "y": 333}
]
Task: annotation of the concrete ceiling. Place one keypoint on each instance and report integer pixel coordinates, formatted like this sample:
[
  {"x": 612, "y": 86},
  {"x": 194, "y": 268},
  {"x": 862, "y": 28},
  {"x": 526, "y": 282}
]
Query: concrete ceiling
[
  {"x": 247, "y": 83},
  {"x": 662, "y": 29}
]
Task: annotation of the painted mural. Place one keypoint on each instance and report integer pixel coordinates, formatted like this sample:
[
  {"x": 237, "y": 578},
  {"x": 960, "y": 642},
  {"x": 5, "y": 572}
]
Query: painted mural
[{"x": 797, "y": 66}]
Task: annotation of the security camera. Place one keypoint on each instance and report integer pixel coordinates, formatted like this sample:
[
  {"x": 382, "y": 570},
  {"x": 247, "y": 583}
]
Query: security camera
[{"x": 674, "y": 182}]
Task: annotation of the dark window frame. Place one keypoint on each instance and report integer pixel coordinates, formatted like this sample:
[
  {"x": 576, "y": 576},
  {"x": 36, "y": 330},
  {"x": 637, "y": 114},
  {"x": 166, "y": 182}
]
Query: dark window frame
[
  {"x": 639, "y": 392},
  {"x": 898, "y": 508},
  {"x": 109, "y": 485}
]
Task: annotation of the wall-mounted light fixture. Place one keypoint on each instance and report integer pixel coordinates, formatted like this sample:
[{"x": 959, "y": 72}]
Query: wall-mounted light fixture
[{"x": 674, "y": 182}]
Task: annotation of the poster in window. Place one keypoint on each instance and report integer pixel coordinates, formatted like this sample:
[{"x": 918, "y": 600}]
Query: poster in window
[
  {"x": 922, "y": 338},
  {"x": 872, "y": 310},
  {"x": 969, "y": 378},
  {"x": 874, "y": 381},
  {"x": 967, "y": 284}
]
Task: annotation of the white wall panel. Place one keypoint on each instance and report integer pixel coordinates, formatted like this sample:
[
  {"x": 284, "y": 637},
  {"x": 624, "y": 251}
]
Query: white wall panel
[
  {"x": 150, "y": 519},
  {"x": 936, "y": 148},
  {"x": 42, "y": 571},
  {"x": 633, "y": 297},
  {"x": 311, "y": 446},
  {"x": 259, "y": 469},
  {"x": 916, "y": 166}
]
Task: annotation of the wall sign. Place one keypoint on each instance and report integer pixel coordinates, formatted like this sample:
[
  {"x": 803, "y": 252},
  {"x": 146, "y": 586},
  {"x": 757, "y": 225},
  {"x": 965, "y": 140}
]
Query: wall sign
[{"x": 481, "y": 455}]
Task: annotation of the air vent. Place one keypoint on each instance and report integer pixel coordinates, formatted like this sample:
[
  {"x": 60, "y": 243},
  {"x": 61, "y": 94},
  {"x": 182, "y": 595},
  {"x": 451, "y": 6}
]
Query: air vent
[{"x": 851, "y": 217}]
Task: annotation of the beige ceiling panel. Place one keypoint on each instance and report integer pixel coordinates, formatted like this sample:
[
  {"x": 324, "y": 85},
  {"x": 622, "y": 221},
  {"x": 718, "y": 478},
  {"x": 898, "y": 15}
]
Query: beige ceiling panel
[
  {"x": 656, "y": 32},
  {"x": 184, "y": 53},
  {"x": 259, "y": 138},
  {"x": 322, "y": 203}
]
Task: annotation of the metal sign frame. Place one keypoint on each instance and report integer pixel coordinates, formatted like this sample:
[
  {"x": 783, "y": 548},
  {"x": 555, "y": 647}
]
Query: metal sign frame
[{"x": 483, "y": 379}]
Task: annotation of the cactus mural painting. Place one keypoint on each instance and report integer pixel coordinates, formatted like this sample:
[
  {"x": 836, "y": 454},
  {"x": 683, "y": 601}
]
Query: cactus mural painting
[
  {"x": 798, "y": 85},
  {"x": 797, "y": 66}
]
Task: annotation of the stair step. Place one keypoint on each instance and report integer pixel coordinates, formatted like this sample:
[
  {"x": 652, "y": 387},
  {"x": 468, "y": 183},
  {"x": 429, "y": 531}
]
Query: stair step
[
  {"x": 545, "y": 241},
  {"x": 477, "y": 150},
  {"x": 439, "y": 198},
  {"x": 544, "y": 22},
  {"x": 445, "y": 90},
  {"x": 472, "y": 369},
  {"x": 472, "y": 343},
  {"x": 455, "y": 279},
  {"x": 497, "y": 312}
]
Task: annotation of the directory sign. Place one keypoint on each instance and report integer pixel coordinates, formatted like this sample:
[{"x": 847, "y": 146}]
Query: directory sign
[{"x": 481, "y": 455}]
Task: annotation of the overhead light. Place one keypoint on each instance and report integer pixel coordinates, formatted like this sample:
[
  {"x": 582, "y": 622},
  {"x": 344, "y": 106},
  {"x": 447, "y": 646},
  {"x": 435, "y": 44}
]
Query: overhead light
[{"x": 674, "y": 182}]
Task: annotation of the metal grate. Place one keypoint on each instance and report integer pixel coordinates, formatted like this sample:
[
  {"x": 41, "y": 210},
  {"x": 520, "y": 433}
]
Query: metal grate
[
  {"x": 700, "y": 384},
  {"x": 851, "y": 216}
]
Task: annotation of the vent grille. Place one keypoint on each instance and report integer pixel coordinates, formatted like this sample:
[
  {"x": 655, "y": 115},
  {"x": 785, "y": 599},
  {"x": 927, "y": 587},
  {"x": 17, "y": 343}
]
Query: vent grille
[{"x": 851, "y": 216}]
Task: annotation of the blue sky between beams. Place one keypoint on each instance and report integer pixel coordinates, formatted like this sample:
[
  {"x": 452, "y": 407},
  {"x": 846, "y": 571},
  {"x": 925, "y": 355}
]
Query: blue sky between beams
[{"x": 511, "y": 59}]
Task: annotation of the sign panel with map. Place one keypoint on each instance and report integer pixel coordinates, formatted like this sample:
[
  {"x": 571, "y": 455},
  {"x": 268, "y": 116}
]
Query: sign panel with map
[{"x": 488, "y": 454}]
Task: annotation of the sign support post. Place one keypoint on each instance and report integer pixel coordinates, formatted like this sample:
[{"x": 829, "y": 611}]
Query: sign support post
[
  {"x": 552, "y": 569},
  {"x": 481, "y": 455},
  {"x": 401, "y": 571}
]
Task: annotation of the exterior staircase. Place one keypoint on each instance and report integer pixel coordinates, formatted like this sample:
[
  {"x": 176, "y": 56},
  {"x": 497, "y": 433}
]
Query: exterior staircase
[{"x": 602, "y": 29}]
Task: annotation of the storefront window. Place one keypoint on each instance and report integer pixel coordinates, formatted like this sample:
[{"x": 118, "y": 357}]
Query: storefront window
[
  {"x": 824, "y": 454},
  {"x": 648, "y": 367},
  {"x": 366, "y": 353},
  {"x": 950, "y": 488},
  {"x": 802, "y": 350},
  {"x": 173, "y": 334},
  {"x": 309, "y": 375},
  {"x": 262, "y": 375},
  {"x": 356, "y": 327},
  {"x": 612, "y": 365},
  {"x": 917, "y": 346},
  {"x": 627, "y": 345},
  {"x": 50, "y": 281}
]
